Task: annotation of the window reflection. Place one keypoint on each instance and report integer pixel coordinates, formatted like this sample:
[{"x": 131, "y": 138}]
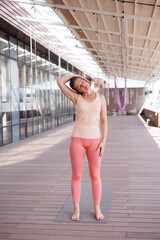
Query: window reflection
[
  {"x": 4, "y": 45},
  {"x": 22, "y": 90},
  {"x": 5, "y": 80},
  {"x": 1, "y": 136},
  {"x": 7, "y": 136},
  {"x": 23, "y": 131}
]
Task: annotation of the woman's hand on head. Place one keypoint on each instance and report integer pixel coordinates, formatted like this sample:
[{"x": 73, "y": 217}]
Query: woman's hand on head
[
  {"x": 101, "y": 148},
  {"x": 79, "y": 76}
]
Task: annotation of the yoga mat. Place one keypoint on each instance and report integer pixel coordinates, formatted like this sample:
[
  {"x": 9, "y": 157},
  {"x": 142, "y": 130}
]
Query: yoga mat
[{"x": 87, "y": 214}]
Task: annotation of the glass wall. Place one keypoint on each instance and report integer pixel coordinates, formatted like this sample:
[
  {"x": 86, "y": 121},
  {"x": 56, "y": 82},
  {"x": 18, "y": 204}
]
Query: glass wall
[{"x": 30, "y": 100}]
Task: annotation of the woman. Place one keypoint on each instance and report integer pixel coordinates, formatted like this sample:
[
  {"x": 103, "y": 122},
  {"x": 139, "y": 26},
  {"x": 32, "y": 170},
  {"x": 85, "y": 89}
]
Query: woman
[{"x": 90, "y": 107}]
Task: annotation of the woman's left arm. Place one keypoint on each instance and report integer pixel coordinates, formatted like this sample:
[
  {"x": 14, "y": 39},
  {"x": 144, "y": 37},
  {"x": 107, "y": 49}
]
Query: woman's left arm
[{"x": 103, "y": 118}]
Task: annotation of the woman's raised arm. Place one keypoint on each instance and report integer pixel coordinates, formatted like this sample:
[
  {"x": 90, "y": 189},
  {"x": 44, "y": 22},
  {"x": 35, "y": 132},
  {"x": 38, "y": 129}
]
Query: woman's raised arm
[{"x": 69, "y": 93}]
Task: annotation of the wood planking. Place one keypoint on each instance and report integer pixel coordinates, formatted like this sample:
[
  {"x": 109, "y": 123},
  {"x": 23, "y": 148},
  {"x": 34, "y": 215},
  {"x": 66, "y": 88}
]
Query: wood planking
[{"x": 35, "y": 178}]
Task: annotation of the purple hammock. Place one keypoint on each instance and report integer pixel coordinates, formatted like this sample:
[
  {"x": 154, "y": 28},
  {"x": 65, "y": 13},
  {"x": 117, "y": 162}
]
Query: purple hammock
[{"x": 117, "y": 95}]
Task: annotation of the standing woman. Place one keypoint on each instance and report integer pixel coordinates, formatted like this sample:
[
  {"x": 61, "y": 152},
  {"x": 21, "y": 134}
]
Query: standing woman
[{"x": 90, "y": 108}]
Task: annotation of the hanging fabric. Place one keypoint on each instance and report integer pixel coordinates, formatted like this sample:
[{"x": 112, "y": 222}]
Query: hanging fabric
[{"x": 117, "y": 94}]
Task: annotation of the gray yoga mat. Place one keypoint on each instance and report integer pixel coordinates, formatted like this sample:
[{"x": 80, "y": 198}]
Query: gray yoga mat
[{"x": 87, "y": 214}]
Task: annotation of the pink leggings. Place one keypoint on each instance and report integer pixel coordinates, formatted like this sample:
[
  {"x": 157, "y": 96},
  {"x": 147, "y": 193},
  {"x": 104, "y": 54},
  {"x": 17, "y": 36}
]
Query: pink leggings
[{"x": 77, "y": 154}]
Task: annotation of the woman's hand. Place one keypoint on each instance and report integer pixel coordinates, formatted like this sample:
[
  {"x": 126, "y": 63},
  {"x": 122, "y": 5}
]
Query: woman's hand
[
  {"x": 85, "y": 79},
  {"x": 101, "y": 148}
]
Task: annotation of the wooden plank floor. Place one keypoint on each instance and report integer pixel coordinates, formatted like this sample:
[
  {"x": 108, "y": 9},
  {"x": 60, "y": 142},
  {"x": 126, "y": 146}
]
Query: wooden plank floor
[{"x": 35, "y": 183}]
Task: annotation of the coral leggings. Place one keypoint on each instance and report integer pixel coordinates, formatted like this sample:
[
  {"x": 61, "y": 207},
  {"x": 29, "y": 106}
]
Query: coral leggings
[{"x": 78, "y": 147}]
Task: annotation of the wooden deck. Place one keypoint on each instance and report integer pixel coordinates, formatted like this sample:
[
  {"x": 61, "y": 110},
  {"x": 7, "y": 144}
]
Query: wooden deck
[{"x": 35, "y": 183}]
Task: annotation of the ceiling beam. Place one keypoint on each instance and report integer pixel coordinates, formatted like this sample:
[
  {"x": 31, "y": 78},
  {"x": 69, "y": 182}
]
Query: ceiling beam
[
  {"x": 147, "y": 58},
  {"x": 86, "y": 10},
  {"x": 119, "y": 45},
  {"x": 100, "y": 42},
  {"x": 130, "y": 61},
  {"x": 129, "y": 66},
  {"x": 119, "y": 54},
  {"x": 108, "y": 52},
  {"x": 116, "y": 33},
  {"x": 93, "y": 30},
  {"x": 144, "y": 37}
]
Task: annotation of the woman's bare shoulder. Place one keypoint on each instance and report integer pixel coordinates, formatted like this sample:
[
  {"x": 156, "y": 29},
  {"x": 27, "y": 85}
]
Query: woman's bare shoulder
[{"x": 102, "y": 96}]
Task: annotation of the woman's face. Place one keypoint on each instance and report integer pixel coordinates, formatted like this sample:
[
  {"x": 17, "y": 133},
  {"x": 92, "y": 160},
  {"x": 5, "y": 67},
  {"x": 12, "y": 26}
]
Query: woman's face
[{"x": 81, "y": 85}]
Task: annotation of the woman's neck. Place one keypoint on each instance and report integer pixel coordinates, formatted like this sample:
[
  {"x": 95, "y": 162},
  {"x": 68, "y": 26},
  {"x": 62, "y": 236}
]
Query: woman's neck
[{"x": 88, "y": 93}]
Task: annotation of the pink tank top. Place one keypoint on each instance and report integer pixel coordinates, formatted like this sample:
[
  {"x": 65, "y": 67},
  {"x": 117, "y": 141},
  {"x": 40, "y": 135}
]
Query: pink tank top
[{"x": 87, "y": 118}]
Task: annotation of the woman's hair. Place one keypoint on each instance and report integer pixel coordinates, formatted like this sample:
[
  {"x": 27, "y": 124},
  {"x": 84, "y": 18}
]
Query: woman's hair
[{"x": 71, "y": 83}]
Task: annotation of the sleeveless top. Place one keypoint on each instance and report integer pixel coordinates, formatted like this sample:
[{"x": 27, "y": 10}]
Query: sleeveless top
[{"x": 87, "y": 118}]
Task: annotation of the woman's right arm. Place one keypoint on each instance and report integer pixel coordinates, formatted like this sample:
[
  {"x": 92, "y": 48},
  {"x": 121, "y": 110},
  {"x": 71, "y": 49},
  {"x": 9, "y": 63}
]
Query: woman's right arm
[{"x": 69, "y": 93}]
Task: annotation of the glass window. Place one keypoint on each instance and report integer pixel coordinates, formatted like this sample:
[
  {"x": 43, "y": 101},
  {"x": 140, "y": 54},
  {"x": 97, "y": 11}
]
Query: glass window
[
  {"x": 45, "y": 124},
  {"x": 36, "y": 105},
  {"x": 13, "y": 48},
  {"x": 41, "y": 129},
  {"x": 7, "y": 135},
  {"x": 27, "y": 54},
  {"x": 21, "y": 52},
  {"x": 23, "y": 130},
  {"x": 22, "y": 90},
  {"x": 29, "y": 128},
  {"x": 6, "y": 101},
  {"x": 0, "y": 94},
  {"x": 29, "y": 92},
  {"x": 49, "y": 123},
  {"x": 35, "y": 126},
  {"x": 15, "y": 99},
  {"x": 4, "y": 45},
  {"x": 1, "y": 136}
]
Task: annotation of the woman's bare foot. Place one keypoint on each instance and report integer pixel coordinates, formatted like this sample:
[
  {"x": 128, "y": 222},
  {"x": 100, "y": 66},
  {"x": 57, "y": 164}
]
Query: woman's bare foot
[
  {"x": 98, "y": 213},
  {"x": 76, "y": 214}
]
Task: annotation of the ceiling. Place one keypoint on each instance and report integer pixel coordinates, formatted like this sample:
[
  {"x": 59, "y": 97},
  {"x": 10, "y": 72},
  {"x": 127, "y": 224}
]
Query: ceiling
[{"x": 123, "y": 36}]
